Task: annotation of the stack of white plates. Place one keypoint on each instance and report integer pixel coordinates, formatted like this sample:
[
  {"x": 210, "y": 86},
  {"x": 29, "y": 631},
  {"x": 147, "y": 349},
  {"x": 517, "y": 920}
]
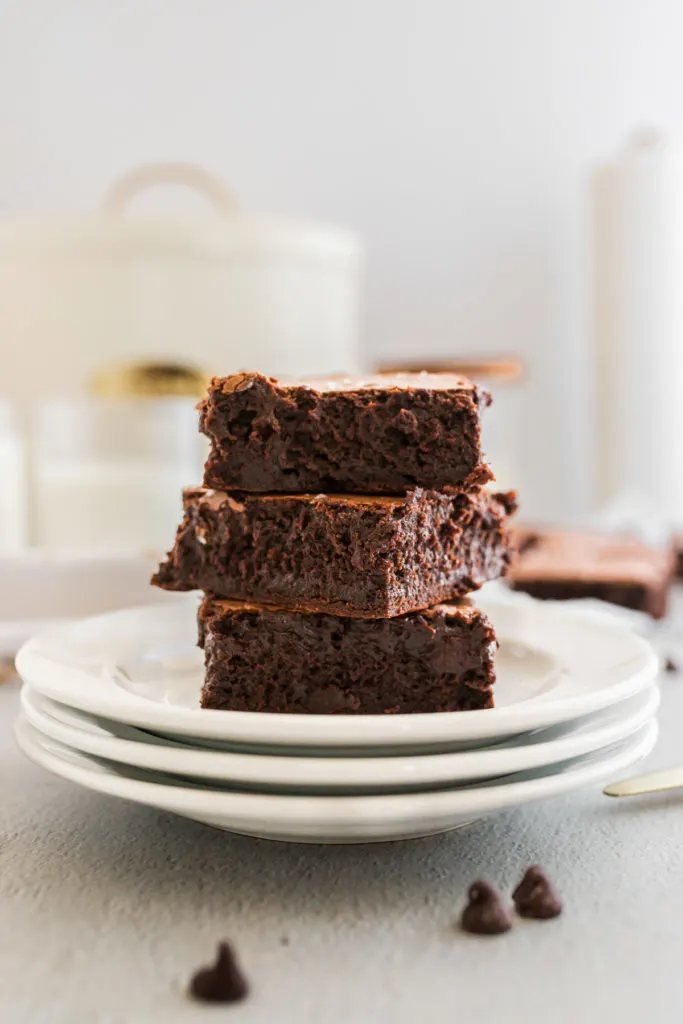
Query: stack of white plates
[{"x": 111, "y": 703}]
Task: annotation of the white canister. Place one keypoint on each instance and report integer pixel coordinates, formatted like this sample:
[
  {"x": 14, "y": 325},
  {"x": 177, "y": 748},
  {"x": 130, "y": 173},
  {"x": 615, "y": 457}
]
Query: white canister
[
  {"x": 13, "y": 526},
  {"x": 638, "y": 291},
  {"x": 225, "y": 292},
  {"x": 108, "y": 473}
]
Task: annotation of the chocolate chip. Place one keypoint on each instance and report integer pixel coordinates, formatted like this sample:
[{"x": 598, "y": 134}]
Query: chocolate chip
[
  {"x": 484, "y": 913},
  {"x": 670, "y": 666},
  {"x": 535, "y": 896},
  {"x": 221, "y": 983}
]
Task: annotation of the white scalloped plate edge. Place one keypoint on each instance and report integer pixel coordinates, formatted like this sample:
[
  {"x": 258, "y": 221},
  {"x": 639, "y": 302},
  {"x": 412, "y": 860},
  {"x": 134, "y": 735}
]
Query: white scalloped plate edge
[
  {"x": 331, "y": 818},
  {"x": 136, "y": 748}
]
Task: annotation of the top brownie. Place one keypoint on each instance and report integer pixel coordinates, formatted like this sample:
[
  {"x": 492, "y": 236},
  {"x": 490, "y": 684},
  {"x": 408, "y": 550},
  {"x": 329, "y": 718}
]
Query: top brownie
[{"x": 385, "y": 434}]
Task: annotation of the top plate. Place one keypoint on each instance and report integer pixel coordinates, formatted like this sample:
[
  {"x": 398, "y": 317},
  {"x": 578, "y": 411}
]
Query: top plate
[{"x": 141, "y": 666}]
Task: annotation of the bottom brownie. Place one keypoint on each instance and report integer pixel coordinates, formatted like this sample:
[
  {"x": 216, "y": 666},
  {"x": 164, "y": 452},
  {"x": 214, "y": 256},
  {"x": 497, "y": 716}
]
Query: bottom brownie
[{"x": 262, "y": 658}]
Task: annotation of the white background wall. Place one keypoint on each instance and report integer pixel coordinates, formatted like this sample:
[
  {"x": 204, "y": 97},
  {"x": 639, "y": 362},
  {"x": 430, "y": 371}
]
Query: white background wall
[{"x": 456, "y": 135}]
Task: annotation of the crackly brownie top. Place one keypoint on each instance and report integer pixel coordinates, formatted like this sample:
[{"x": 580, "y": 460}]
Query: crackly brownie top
[
  {"x": 335, "y": 384},
  {"x": 214, "y": 499},
  {"x": 462, "y": 610}
]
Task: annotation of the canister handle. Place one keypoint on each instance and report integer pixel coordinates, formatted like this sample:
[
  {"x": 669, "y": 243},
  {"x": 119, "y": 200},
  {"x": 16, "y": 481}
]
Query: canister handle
[{"x": 122, "y": 192}]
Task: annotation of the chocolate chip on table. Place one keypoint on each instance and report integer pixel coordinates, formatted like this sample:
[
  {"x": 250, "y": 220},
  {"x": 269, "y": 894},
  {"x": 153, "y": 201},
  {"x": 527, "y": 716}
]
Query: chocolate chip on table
[
  {"x": 535, "y": 897},
  {"x": 223, "y": 982},
  {"x": 670, "y": 666},
  {"x": 484, "y": 913}
]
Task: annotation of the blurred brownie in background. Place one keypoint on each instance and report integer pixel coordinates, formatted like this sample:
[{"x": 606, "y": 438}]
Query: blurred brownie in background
[
  {"x": 522, "y": 537},
  {"x": 678, "y": 545},
  {"x": 560, "y": 565}
]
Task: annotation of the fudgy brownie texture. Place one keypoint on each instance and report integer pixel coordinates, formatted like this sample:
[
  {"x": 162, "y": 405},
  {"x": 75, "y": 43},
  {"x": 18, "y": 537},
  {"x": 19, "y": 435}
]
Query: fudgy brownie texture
[
  {"x": 380, "y": 435},
  {"x": 270, "y": 659},
  {"x": 361, "y": 556},
  {"x": 622, "y": 570}
]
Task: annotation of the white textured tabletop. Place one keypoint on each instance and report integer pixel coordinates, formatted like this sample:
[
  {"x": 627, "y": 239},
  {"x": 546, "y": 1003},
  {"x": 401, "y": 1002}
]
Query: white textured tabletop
[{"x": 107, "y": 907}]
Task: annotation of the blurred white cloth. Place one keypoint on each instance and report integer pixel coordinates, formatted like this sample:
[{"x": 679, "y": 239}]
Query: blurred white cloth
[{"x": 666, "y": 635}]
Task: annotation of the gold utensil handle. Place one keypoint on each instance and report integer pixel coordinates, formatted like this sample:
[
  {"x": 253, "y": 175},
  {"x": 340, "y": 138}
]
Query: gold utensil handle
[{"x": 652, "y": 782}]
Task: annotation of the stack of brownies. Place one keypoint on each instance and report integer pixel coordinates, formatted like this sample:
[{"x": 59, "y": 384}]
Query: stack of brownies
[{"x": 339, "y": 529}]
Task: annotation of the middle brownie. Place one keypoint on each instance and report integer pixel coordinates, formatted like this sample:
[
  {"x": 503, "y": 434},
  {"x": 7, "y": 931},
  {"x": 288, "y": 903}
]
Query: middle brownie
[{"x": 360, "y": 556}]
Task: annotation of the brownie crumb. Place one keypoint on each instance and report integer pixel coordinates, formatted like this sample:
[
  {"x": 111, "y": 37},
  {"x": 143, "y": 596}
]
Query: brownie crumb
[
  {"x": 221, "y": 983},
  {"x": 535, "y": 897},
  {"x": 670, "y": 666},
  {"x": 484, "y": 913}
]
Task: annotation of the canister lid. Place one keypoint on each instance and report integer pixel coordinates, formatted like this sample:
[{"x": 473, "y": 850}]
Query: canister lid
[{"x": 226, "y": 232}]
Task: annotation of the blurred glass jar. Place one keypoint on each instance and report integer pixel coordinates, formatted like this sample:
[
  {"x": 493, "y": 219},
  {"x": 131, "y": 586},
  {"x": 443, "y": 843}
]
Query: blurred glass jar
[
  {"x": 108, "y": 473},
  {"x": 13, "y": 531},
  {"x": 502, "y": 422}
]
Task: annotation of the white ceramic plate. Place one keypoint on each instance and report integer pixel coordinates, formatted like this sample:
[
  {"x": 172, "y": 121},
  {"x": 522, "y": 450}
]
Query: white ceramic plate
[
  {"x": 141, "y": 666},
  {"x": 39, "y": 587},
  {"x": 330, "y": 819},
  {"x": 127, "y": 745}
]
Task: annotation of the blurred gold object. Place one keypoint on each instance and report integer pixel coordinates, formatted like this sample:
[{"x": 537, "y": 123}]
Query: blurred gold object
[
  {"x": 7, "y": 670},
  {"x": 150, "y": 380}
]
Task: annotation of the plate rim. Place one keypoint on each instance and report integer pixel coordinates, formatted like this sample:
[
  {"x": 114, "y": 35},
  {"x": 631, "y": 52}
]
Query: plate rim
[
  {"x": 358, "y": 812},
  {"x": 341, "y": 772},
  {"x": 71, "y": 686}
]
